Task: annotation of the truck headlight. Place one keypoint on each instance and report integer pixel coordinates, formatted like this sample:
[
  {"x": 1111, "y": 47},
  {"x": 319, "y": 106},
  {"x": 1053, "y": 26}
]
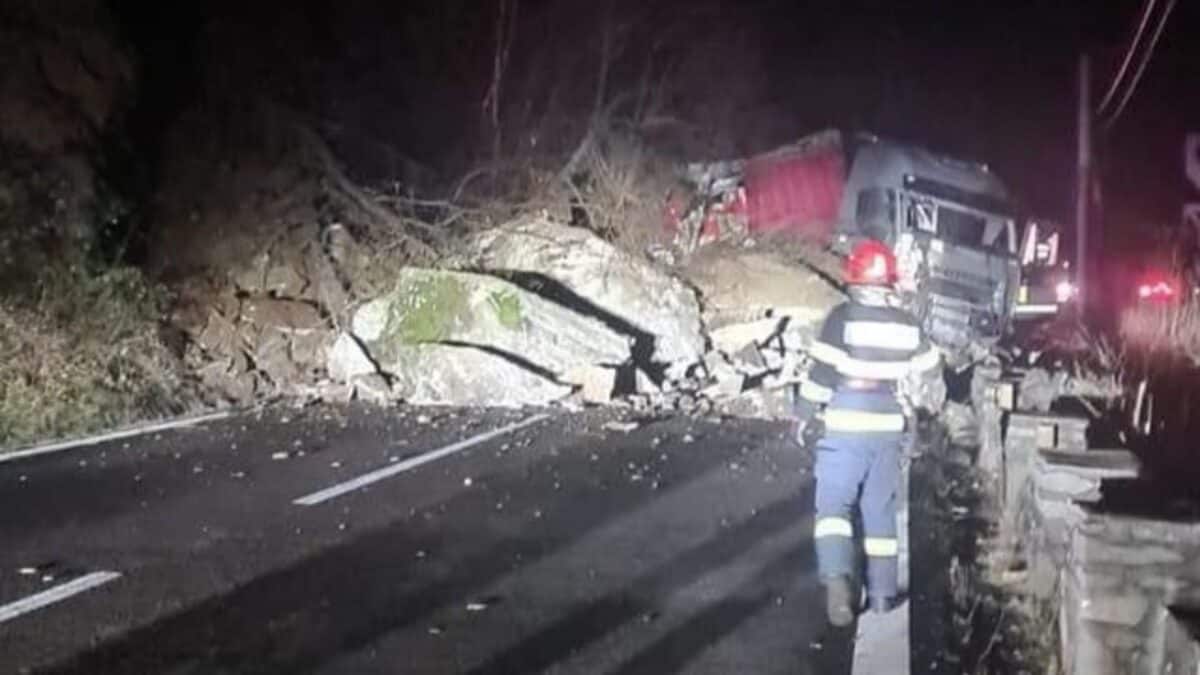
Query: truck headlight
[{"x": 1064, "y": 291}]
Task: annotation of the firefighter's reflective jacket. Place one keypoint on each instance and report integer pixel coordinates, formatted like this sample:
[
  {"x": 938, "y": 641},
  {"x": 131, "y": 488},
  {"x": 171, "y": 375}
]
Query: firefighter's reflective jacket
[{"x": 862, "y": 352}]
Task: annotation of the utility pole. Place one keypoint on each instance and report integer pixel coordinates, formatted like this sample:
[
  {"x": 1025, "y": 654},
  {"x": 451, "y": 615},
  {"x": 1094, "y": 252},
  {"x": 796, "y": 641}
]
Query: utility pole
[{"x": 1083, "y": 181}]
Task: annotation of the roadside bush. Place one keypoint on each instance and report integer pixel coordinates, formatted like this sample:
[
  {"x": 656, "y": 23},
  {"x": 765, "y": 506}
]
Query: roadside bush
[
  {"x": 1172, "y": 328},
  {"x": 80, "y": 351}
]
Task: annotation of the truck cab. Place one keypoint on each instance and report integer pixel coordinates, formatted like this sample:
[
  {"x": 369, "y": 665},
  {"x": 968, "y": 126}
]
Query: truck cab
[
  {"x": 1047, "y": 289},
  {"x": 954, "y": 232},
  {"x": 951, "y": 223}
]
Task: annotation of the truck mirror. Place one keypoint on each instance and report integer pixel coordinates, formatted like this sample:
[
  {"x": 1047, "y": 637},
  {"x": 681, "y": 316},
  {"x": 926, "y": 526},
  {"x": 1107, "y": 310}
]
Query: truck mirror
[{"x": 875, "y": 214}]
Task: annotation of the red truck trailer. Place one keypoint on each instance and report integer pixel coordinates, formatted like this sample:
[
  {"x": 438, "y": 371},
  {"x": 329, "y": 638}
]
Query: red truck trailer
[{"x": 950, "y": 223}]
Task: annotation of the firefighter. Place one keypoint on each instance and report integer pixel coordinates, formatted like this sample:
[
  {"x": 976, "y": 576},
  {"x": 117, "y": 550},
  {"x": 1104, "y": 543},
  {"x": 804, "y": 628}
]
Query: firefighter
[{"x": 851, "y": 404}]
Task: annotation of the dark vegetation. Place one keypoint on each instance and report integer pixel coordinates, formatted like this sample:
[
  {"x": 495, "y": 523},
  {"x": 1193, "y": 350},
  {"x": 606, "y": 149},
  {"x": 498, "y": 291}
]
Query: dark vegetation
[{"x": 150, "y": 152}]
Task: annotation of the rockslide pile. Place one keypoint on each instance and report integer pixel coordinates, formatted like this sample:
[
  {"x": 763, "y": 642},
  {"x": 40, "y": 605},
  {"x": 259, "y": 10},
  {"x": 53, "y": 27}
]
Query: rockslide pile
[
  {"x": 265, "y": 328},
  {"x": 530, "y": 313}
]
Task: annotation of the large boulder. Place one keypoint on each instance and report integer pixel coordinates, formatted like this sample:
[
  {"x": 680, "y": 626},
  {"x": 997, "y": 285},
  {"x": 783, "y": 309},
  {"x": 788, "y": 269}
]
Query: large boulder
[
  {"x": 434, "y": 374},
  {"x": 346, "y": 359},
  {"x": 755, "y": 296},
  {"x": 436, "y": 307},
  {"x": 593, "y": 275}
]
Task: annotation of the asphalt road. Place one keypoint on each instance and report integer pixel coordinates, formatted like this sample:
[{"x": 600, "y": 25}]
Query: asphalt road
[{"x": 317, "y": 541}]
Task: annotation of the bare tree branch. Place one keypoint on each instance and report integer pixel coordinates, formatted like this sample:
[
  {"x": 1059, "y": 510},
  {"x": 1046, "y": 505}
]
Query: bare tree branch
[{"x": 350, "y": 193}]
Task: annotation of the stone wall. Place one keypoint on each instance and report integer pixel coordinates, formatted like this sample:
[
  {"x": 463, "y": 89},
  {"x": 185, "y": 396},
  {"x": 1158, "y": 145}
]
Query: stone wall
[
  {"x": 1128, "y": 586},
  {"x": 1124, "y": 581},
  {"x": 1182, "y": 638},
  {"x": 1048, "y": 473}
]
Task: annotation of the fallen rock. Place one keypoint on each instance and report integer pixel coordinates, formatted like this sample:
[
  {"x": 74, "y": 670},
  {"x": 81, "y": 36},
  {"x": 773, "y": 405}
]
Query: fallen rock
[
  {"x": 765, "y": 291},
  {"x": 264, "y": 312},
  {"x": 272, "y": 356},
  {"x": 231, "y": 378},
  {"x": 457, "y": 308},
  {"x": 371, "y": 387},
  {"x": 433, "y": 374},
  {"x": 718, "y": 367},
  {"x": 284, "y": 280},
  {"x": 250, "y": 276},
  {"x": 597, "y": 384},
  {"x": 370, "y": 321},
  {"x": 219, "y": 336},
  {"x": 279, "y": 266},
  {"x": 268, "y": 276},
  {"x": 734, "y": 337},
  {"x": 726, "y": 387},
  {"x": 327, "y": 288},
  {"x": 347, "y": 359},
  {"x": 790, "y": 370},
  {"x": 749, "y": 360},
  {"x": 770, "y": 404},
  {"x": 309, "y": 348},
  {"x": 632, "y": 291},
  {"x": 290, "y": 315},
  {"x": 644, "y": 384},
  {"x": 323, "y": 391}
]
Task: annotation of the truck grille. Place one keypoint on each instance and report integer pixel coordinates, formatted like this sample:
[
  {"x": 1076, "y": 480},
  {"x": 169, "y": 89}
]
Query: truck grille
[{"x": 959, "y": 312}]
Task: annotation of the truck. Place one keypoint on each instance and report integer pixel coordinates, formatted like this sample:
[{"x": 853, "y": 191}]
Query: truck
[
  {"x": 1047, "y": 287},
  {"x": 951, "y": 223}
]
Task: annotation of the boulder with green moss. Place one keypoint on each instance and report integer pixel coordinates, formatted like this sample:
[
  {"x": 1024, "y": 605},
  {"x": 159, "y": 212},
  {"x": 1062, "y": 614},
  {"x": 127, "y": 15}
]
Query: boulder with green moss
[
  {"x": 436, "y": 307},
  {"x": 438, "y": 374},
  {"x": 587, "y": 272}
]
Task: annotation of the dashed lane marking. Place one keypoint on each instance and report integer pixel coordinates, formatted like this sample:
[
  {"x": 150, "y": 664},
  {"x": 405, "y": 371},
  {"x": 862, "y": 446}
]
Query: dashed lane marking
[
  {"x": 353, "y": 484},
  {"x": 56, "y": 594}
]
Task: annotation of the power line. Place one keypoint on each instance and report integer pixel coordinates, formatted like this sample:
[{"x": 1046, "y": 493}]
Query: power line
[
  {"x": 1147, "y": 9},
  {"x": 1137, "y": 76}
]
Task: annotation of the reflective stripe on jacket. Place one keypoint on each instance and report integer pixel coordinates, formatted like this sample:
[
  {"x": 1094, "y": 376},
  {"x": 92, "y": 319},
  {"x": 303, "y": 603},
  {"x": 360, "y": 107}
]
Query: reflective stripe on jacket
[{"x": 860, "y": 353}]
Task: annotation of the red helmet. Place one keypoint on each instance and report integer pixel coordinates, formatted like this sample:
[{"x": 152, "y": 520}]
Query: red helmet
[{"x": 870, "y": 263}]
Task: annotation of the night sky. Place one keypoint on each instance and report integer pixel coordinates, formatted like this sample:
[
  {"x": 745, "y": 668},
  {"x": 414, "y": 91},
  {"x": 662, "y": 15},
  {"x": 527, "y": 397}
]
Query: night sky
[
  {"x": 987, "y": 80},
  {"x": 996, "y": 81}
]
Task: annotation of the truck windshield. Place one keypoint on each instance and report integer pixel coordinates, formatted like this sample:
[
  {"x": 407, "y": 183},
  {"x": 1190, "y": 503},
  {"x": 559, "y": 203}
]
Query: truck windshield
[
  {"x": 964, "y": 229},
  {"x": 958, "y": 226}
]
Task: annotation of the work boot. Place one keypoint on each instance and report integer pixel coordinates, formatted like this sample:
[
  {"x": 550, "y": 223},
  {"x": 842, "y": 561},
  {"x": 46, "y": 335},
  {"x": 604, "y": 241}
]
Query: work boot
[{"x": 839, "y": 606}]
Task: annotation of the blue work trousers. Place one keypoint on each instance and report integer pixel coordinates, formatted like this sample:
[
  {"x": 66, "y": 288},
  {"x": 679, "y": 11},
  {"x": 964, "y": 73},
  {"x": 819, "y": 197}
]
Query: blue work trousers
[{"x": 862, "y": 469}]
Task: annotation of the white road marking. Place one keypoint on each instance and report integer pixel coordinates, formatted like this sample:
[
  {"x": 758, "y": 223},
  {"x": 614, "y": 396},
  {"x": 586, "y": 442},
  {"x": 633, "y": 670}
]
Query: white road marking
[
  {"x": 116, "y": 435},
  {"x": 400, "y": 467},
  {"x": 56, "y": 594}
]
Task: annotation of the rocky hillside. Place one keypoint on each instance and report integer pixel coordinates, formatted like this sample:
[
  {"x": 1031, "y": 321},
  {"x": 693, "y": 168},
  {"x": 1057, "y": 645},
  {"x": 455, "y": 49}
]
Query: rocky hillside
[{"x": 199, "y": 211}]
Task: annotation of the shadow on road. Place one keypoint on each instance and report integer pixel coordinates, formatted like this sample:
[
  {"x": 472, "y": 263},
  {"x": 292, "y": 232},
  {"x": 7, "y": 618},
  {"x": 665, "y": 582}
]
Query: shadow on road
[
  {"x": 344, "y": 599},
  {"x": 672, "y": 652},
  {"x": 590, "y": 622}
]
